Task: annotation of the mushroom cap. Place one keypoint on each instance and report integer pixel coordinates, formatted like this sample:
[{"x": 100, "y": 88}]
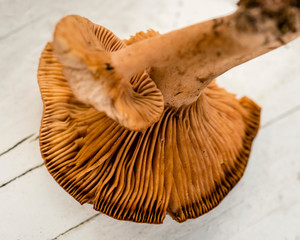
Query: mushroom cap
[
  {"x": 183, "y": 165},
  {"x": 84, "y": 50}
]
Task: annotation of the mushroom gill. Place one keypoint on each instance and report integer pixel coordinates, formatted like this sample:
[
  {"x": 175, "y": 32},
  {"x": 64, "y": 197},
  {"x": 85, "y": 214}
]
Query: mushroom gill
[{"x": 184, "y": 163}]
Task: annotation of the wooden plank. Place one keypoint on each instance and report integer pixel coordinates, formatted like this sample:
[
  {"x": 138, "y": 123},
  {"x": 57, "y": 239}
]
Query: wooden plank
[
  {"x": 17, "y": 14},
  {"x": 35, "y": 207},
  {"x": 21, "y": 107},
  {"x": 20, "y": 159}
]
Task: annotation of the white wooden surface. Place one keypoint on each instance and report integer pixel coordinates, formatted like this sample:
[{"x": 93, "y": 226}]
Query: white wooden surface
[{"x": 264, "y": 205}]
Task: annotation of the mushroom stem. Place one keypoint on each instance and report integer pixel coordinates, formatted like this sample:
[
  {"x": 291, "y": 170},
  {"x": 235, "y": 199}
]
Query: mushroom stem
[{"x": 185, "y": 61}]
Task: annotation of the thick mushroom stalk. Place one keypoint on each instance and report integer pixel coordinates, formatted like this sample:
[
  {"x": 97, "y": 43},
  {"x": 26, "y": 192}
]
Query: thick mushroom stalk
[
  {"x": 185, "y": 61},
  {"x": 182, "y": 62},
  {"x": 83, "y": 49}
]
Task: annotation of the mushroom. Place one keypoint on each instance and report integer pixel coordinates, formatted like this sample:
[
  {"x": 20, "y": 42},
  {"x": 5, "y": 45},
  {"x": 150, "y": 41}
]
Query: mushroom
[{"x": 139, "y": 128}]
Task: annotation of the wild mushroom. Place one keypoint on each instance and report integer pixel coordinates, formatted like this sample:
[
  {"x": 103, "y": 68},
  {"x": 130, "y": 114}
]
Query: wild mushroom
[{"x": 138, "y": 128}]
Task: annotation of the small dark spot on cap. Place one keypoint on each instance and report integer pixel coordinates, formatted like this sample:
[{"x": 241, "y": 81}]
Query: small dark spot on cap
[
  {"x": 218, "y": 53},
  {"x": 109, "y": 67},
  {"x": 178, "y": 93}
]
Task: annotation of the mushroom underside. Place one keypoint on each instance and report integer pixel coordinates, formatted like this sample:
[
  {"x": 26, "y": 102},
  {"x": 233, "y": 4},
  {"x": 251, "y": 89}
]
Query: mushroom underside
[{"x": 183, "y": 165}]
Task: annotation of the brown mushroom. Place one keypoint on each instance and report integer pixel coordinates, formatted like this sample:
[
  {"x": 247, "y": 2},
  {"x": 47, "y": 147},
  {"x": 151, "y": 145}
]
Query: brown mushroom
[{"x": 192, "y": 144}]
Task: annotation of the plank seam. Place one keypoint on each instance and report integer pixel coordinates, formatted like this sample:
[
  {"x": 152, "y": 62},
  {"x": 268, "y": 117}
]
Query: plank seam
[
  {"x": 76, "y": 226},
  {"x": 17, "y": 144},
  {"x": 281, "y": 116},
  {"x": 17, "y": 177}
]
